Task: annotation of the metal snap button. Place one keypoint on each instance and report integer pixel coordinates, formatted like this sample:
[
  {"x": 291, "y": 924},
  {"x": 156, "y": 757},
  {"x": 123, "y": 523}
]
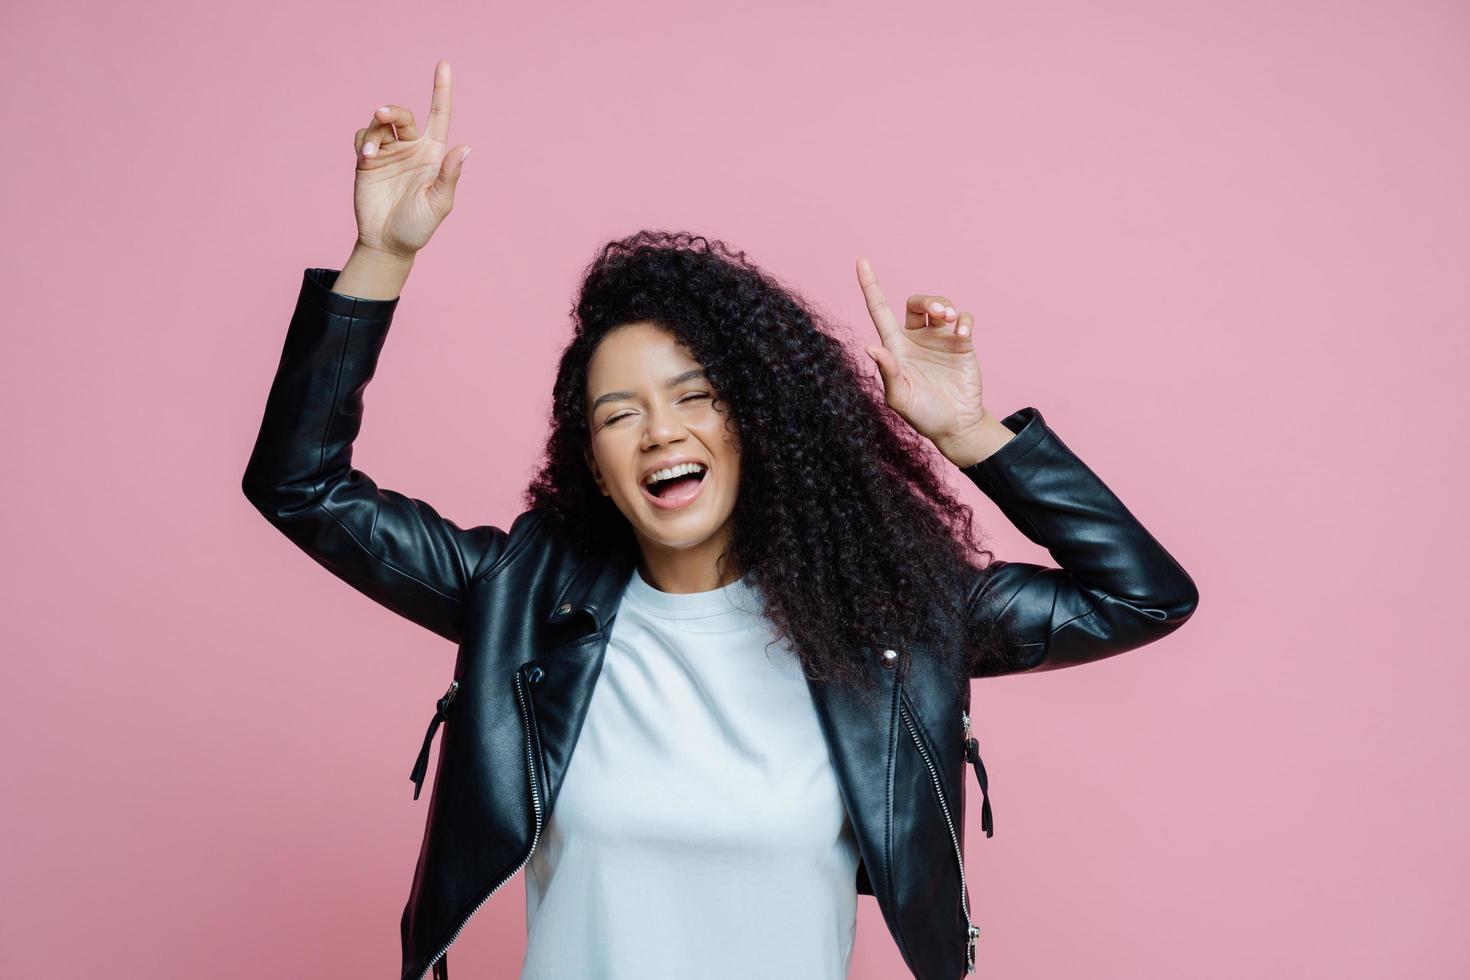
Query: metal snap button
[
  {"x": 890, "y": 658},
  {"x": 564, "y": 608}
]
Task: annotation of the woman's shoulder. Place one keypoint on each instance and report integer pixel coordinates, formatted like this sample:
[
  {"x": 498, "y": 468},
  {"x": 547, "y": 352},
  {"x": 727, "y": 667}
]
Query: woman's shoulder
[{"x": 544, "y": 533}]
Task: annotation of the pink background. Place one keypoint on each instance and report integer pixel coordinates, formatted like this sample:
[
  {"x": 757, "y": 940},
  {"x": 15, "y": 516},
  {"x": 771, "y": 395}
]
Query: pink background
[{"x": 1222, "y": 247}]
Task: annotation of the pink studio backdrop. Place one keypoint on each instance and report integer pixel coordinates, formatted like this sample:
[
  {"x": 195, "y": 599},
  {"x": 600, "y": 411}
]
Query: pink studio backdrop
[{"x": 1222, "y": 247}]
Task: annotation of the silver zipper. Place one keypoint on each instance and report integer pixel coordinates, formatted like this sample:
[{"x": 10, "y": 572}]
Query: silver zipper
[
  {"x": 535, "y": 803},
  {"x": 972, "y": 930}
]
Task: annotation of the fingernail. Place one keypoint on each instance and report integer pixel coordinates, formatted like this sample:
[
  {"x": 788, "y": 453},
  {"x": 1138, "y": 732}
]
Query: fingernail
[
  {"x": 368, "y": 149},
  {"x": 384, "y": 108},
  {"x": 937, "y": 307}
]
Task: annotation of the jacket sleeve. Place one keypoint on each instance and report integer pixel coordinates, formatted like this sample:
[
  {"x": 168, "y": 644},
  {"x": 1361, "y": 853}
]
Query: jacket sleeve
[
  {"x": 395, "y": 549},
  {"x": 1117, "y": 588}
]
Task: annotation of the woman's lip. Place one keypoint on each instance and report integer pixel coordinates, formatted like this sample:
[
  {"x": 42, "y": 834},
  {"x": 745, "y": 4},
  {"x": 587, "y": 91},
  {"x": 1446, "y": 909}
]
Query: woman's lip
[{"x": 664, "y": 504}]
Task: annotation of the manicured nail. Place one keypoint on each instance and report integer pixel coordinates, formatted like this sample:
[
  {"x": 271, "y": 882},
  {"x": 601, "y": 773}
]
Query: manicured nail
[
  {"x": 384, "y": 108},
  {"x": 937, "y": 307}
]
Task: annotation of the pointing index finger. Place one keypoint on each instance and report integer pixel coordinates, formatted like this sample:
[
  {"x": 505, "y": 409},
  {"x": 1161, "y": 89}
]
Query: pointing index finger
[
  {"x": 878, "y": 309},
  {"x": 439, "y": 103}
]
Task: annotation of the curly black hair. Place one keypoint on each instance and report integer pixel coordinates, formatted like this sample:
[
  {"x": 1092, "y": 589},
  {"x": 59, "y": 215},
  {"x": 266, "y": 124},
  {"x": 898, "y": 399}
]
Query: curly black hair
[{"x": 842, "y": 520}]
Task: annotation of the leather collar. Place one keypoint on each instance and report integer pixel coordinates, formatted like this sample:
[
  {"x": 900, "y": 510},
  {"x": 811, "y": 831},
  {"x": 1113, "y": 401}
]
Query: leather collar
[{"x": 595, "y": 587}]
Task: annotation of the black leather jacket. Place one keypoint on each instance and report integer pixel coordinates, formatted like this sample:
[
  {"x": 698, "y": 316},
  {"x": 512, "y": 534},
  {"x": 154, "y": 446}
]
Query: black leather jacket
[{"x": 531, "y": 617}]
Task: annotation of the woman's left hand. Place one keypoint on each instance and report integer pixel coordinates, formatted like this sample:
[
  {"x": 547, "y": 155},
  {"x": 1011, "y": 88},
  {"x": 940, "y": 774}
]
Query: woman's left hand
[{"x": 930, "y": 373}]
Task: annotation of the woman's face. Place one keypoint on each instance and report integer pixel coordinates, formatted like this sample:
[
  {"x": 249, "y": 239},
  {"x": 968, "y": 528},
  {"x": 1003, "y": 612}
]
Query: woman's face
[{"x": 650, "y": 407}]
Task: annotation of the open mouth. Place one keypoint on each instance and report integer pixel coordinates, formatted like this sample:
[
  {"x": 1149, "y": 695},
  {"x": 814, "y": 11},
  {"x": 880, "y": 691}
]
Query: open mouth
[{"x": 676, "y": 492}]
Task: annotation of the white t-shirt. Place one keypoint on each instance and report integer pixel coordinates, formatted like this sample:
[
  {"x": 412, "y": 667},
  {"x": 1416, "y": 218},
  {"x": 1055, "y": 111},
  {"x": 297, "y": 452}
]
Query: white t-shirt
[{"x": 700, "y": 831}]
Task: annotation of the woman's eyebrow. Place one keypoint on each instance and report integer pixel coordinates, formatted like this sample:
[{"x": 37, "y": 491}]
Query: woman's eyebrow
[{"x": 673, "y": 382}]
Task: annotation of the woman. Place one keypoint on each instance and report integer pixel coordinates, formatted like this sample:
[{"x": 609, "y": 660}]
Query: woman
[{"x": 741, "y": 591}]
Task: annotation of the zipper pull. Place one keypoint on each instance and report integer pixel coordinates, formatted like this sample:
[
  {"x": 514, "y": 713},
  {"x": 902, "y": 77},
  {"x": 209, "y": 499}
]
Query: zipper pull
[
  {"x": 970, "y": 949},
  {"x": 972, "y": 753},
  {"x": 441, "y": 712}
]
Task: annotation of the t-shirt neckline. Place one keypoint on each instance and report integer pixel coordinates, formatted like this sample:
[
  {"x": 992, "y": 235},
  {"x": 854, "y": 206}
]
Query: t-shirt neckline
[{"x": 738, "y": 596}]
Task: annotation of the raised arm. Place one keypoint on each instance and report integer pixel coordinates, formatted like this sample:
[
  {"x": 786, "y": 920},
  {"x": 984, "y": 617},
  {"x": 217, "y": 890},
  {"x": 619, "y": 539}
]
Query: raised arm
[
  {"x": 1116, "y": 588},
  {"x": 395, "y": 549}
]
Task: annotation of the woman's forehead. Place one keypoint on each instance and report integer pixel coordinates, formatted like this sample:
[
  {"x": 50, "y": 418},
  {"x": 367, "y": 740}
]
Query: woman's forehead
[{"x": 638, "y": 354}]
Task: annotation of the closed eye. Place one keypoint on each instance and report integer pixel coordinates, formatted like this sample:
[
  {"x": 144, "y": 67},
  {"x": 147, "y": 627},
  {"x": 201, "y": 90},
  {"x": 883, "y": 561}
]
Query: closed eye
[{"x": 622, "y": 415}]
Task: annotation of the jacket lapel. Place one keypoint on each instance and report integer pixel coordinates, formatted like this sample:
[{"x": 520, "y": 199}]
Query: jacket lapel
[
  {"x": 559, "y": 681},
  {"x": 861, "y": 737}
]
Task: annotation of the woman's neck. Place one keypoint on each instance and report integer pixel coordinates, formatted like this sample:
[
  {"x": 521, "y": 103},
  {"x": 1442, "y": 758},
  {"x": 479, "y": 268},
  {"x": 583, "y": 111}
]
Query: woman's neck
[{"x": 684, "y": 570}]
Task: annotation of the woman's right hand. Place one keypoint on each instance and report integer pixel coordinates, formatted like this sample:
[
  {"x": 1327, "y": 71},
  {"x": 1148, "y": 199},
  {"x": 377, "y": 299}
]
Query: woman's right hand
[{"x": 405, "y": 181}]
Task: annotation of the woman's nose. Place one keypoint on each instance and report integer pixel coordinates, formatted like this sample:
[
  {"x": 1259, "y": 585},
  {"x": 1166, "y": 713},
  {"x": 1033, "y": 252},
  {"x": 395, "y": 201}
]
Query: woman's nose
[{"x": 663, "y": 425}]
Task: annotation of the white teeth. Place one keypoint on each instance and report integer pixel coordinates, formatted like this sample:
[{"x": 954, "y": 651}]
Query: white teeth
[{"x": 673, "y": 471}]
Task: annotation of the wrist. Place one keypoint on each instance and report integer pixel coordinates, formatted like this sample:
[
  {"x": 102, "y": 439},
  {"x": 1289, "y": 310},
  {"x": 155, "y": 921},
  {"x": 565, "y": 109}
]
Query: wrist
[
  {"x": 378, "y": 255},
  {"x": 372, "y": 273},
  {"x": 976, "y": 442}
]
